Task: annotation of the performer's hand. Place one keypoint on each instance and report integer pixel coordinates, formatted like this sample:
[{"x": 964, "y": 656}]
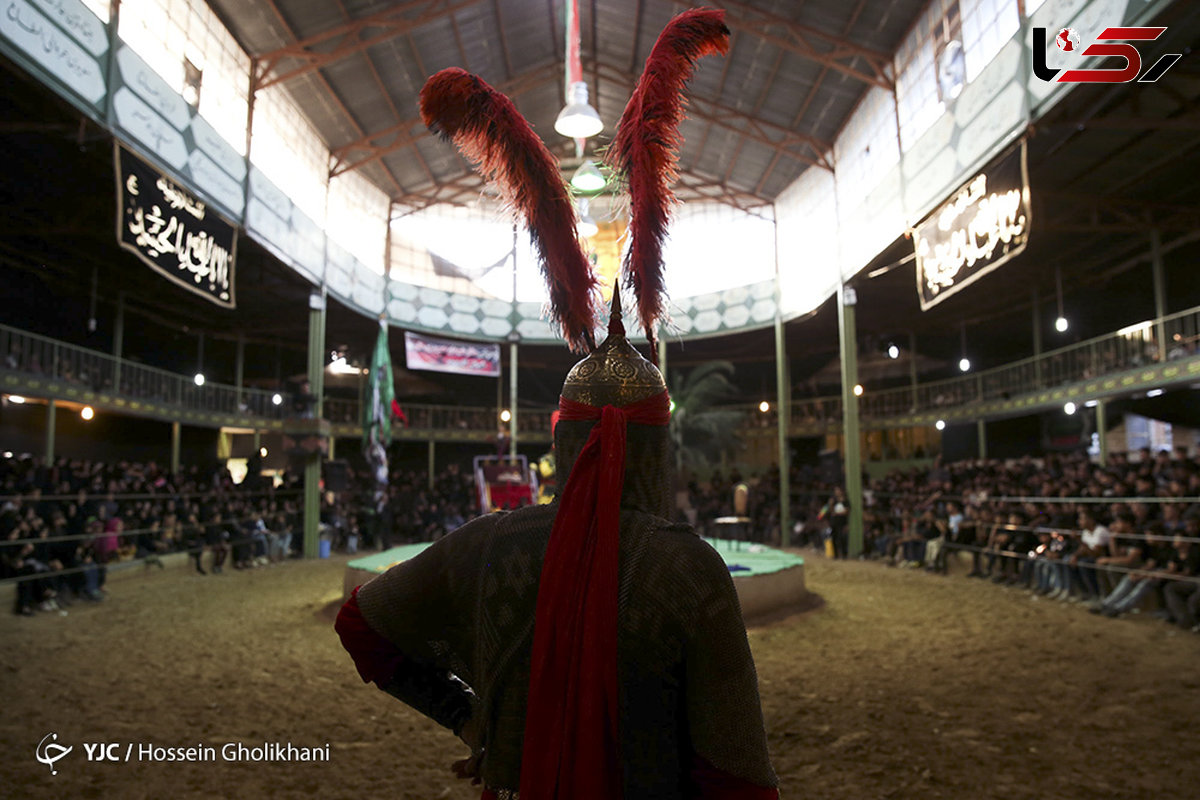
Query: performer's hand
[{"x": 468, "y": 768}]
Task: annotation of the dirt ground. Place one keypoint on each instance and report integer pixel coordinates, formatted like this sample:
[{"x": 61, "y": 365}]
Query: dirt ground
[{"x": 901, "y": 685}]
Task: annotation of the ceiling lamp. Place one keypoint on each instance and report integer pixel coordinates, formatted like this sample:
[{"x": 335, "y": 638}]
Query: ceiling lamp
[
  {"x": 588, "y": 177},
  {"x": 587, "y": 226},
  {"x": 578, "y": 120}
]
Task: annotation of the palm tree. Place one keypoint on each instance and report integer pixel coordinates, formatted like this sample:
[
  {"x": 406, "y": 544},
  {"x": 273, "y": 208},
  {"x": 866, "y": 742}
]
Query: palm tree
[{"x": 701, "y": 432}]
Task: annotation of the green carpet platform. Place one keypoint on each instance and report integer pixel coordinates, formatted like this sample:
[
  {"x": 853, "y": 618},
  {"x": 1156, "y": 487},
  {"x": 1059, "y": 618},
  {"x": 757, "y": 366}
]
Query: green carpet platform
[{"x": 767, "y": 580}]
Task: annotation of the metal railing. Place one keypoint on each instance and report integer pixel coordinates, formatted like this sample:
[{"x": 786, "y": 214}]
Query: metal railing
[
  {"x": 1170, "y": 338},
  {"x": 1173, "y": 337},
  {"x": 40, "y": 357},
  {"x": 478, "y": 419}
]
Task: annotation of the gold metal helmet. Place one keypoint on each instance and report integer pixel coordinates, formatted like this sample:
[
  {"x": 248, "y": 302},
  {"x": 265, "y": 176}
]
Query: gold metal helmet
[{"x": 615, "y": 373}]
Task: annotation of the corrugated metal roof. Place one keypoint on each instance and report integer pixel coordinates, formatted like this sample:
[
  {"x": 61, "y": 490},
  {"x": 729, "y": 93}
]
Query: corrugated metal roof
[{"x": 791, "y": 68}]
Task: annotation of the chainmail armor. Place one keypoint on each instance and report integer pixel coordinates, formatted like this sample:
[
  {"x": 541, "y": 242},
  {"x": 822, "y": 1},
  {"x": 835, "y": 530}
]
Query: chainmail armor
[{"x": 687, "y": 679}]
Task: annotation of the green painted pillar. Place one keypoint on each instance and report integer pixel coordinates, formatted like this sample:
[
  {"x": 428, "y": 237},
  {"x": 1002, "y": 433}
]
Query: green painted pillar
[
  {"x": 239, "y": 368},
  {"x": 981, "y": 434},
  {"x": 316, "y": 381},
  {"x": 257, "y": 439},
  {"x": 50, "y": 423},
  {"x": 783, "y": 413},
  {"x": 1160, "y": 293},
  {"x": 1102, "y": 431},
  {"x": 912, "y": 366},
  {"x": 118, "y": 342},
  {"x": 847, "y": 299},
  {"x": 431, "y": 465},
  {"x": 175, "y": 436},
  {"x": 1037, "y": 339},
  {"x": 512, "y": 392},
  {"x": 332, "y": 447}
]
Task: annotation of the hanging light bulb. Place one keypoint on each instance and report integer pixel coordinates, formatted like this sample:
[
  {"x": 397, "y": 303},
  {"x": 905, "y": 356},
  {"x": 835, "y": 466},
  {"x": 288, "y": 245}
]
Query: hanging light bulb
[
  {"x": 964, "y": 364},
  {"x": 588, "y": 177},
  {"x": 578, "y": 120},
  {"x": 587, "y": 226},
  {"x": 1061, "y": 324},
  {"x": 893, "y": 351}
]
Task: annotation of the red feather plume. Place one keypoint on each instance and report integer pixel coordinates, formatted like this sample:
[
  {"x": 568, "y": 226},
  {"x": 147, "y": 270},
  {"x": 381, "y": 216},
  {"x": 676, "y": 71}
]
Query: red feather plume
[
  {"x": 490, "y": 132},
  {"x": 644, "y": 152}
]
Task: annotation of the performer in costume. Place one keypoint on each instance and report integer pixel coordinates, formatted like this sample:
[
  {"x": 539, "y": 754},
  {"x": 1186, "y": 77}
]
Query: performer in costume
[{"x": 588, "y": 649}]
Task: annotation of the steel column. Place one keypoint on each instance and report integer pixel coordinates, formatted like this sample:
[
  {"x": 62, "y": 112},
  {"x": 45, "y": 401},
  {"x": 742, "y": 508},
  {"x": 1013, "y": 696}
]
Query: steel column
[
  {"x": 847, "y": 299},
  {"x": 316, "y": 382},
  {"x": 50, "y": 423},
  {"x": 1160, "y": 292}
]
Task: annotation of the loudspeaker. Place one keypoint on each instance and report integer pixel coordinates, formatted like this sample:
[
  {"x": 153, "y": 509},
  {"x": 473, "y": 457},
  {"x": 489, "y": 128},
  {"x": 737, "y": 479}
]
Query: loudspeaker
[{"x": 337, "y": 476}]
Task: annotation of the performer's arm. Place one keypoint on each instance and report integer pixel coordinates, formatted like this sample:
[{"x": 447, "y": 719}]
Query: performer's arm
[
  {"x": 725, "y": 722},
  {"x": 432, "y": 691}
]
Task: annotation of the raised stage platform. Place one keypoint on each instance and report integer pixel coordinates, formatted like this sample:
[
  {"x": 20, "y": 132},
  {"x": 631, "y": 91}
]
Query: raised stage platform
[{"x": 767, "y": 580}]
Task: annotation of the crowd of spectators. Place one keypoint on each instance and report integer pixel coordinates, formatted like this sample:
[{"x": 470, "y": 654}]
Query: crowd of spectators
[
  {"x": 64, "y": 525},
  {"x": 1060, "y": 527}
]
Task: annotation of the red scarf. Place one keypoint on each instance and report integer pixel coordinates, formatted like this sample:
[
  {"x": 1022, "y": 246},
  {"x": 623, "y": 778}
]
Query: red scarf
[{"x": 570, "y": 747}]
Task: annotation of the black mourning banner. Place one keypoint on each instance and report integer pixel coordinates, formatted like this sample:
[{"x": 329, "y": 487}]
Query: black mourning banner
[
  {"x": 174, "y": 233},
  {"x": 981, "y": 226}
]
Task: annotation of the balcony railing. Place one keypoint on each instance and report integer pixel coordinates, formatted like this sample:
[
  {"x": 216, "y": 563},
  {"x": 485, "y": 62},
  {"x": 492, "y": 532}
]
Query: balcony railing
[
  {"x": 1172, "y": 338},
  {"x": 78, "y": 368}
]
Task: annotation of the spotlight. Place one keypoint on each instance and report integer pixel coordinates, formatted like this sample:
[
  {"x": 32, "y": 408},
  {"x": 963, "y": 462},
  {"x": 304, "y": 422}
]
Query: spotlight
[
  {"x": 276, "y": 399},
  {"x": 940, "y": 424},
  {"x": 1069, "y": 408},
  {"x": 964, "y": 364},
  {"x": 764, "y": 406},
  {"x": 578, "y": 120},
  {"x": 588, "y": 177},
  {"x": 1061, "y": 324},
  {"x": 893, "y": 351},
  {"x": 87, "y": 412},
  {"x": 858, "y": 390},
  {"x": 199, "y": 379},
  {"x": 505, "y": 415}
]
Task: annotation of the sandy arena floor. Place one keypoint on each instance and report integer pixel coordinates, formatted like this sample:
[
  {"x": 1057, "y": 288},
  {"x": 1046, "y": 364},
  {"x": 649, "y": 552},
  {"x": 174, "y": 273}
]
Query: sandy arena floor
[{"x": 903, "y": 685}]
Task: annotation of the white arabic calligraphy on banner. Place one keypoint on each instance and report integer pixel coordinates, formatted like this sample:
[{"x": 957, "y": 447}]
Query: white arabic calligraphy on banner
[
  {"x": 997, "y": 220},
  {"x": 979, "y": 228},
  {"x": 173, "y": 232}
]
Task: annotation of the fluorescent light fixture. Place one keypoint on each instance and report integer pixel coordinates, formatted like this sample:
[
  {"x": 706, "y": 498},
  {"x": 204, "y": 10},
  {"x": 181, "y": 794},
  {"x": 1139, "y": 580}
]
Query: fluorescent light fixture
[
  {"x": 1091, "y": 403},
  {"x": 586, "y": 226},
  {"x": 339, "y": 367},
  {"x": 588, "y": 177},
  {"x": 1154, "y": 393},
  {"x": 16, "y": 398},
  {"x": 578, "y": 120}
]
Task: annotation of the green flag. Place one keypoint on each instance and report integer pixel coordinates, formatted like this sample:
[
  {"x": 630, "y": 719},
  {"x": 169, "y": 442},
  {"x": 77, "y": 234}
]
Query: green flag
[{"x": 377, "y": 403}]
